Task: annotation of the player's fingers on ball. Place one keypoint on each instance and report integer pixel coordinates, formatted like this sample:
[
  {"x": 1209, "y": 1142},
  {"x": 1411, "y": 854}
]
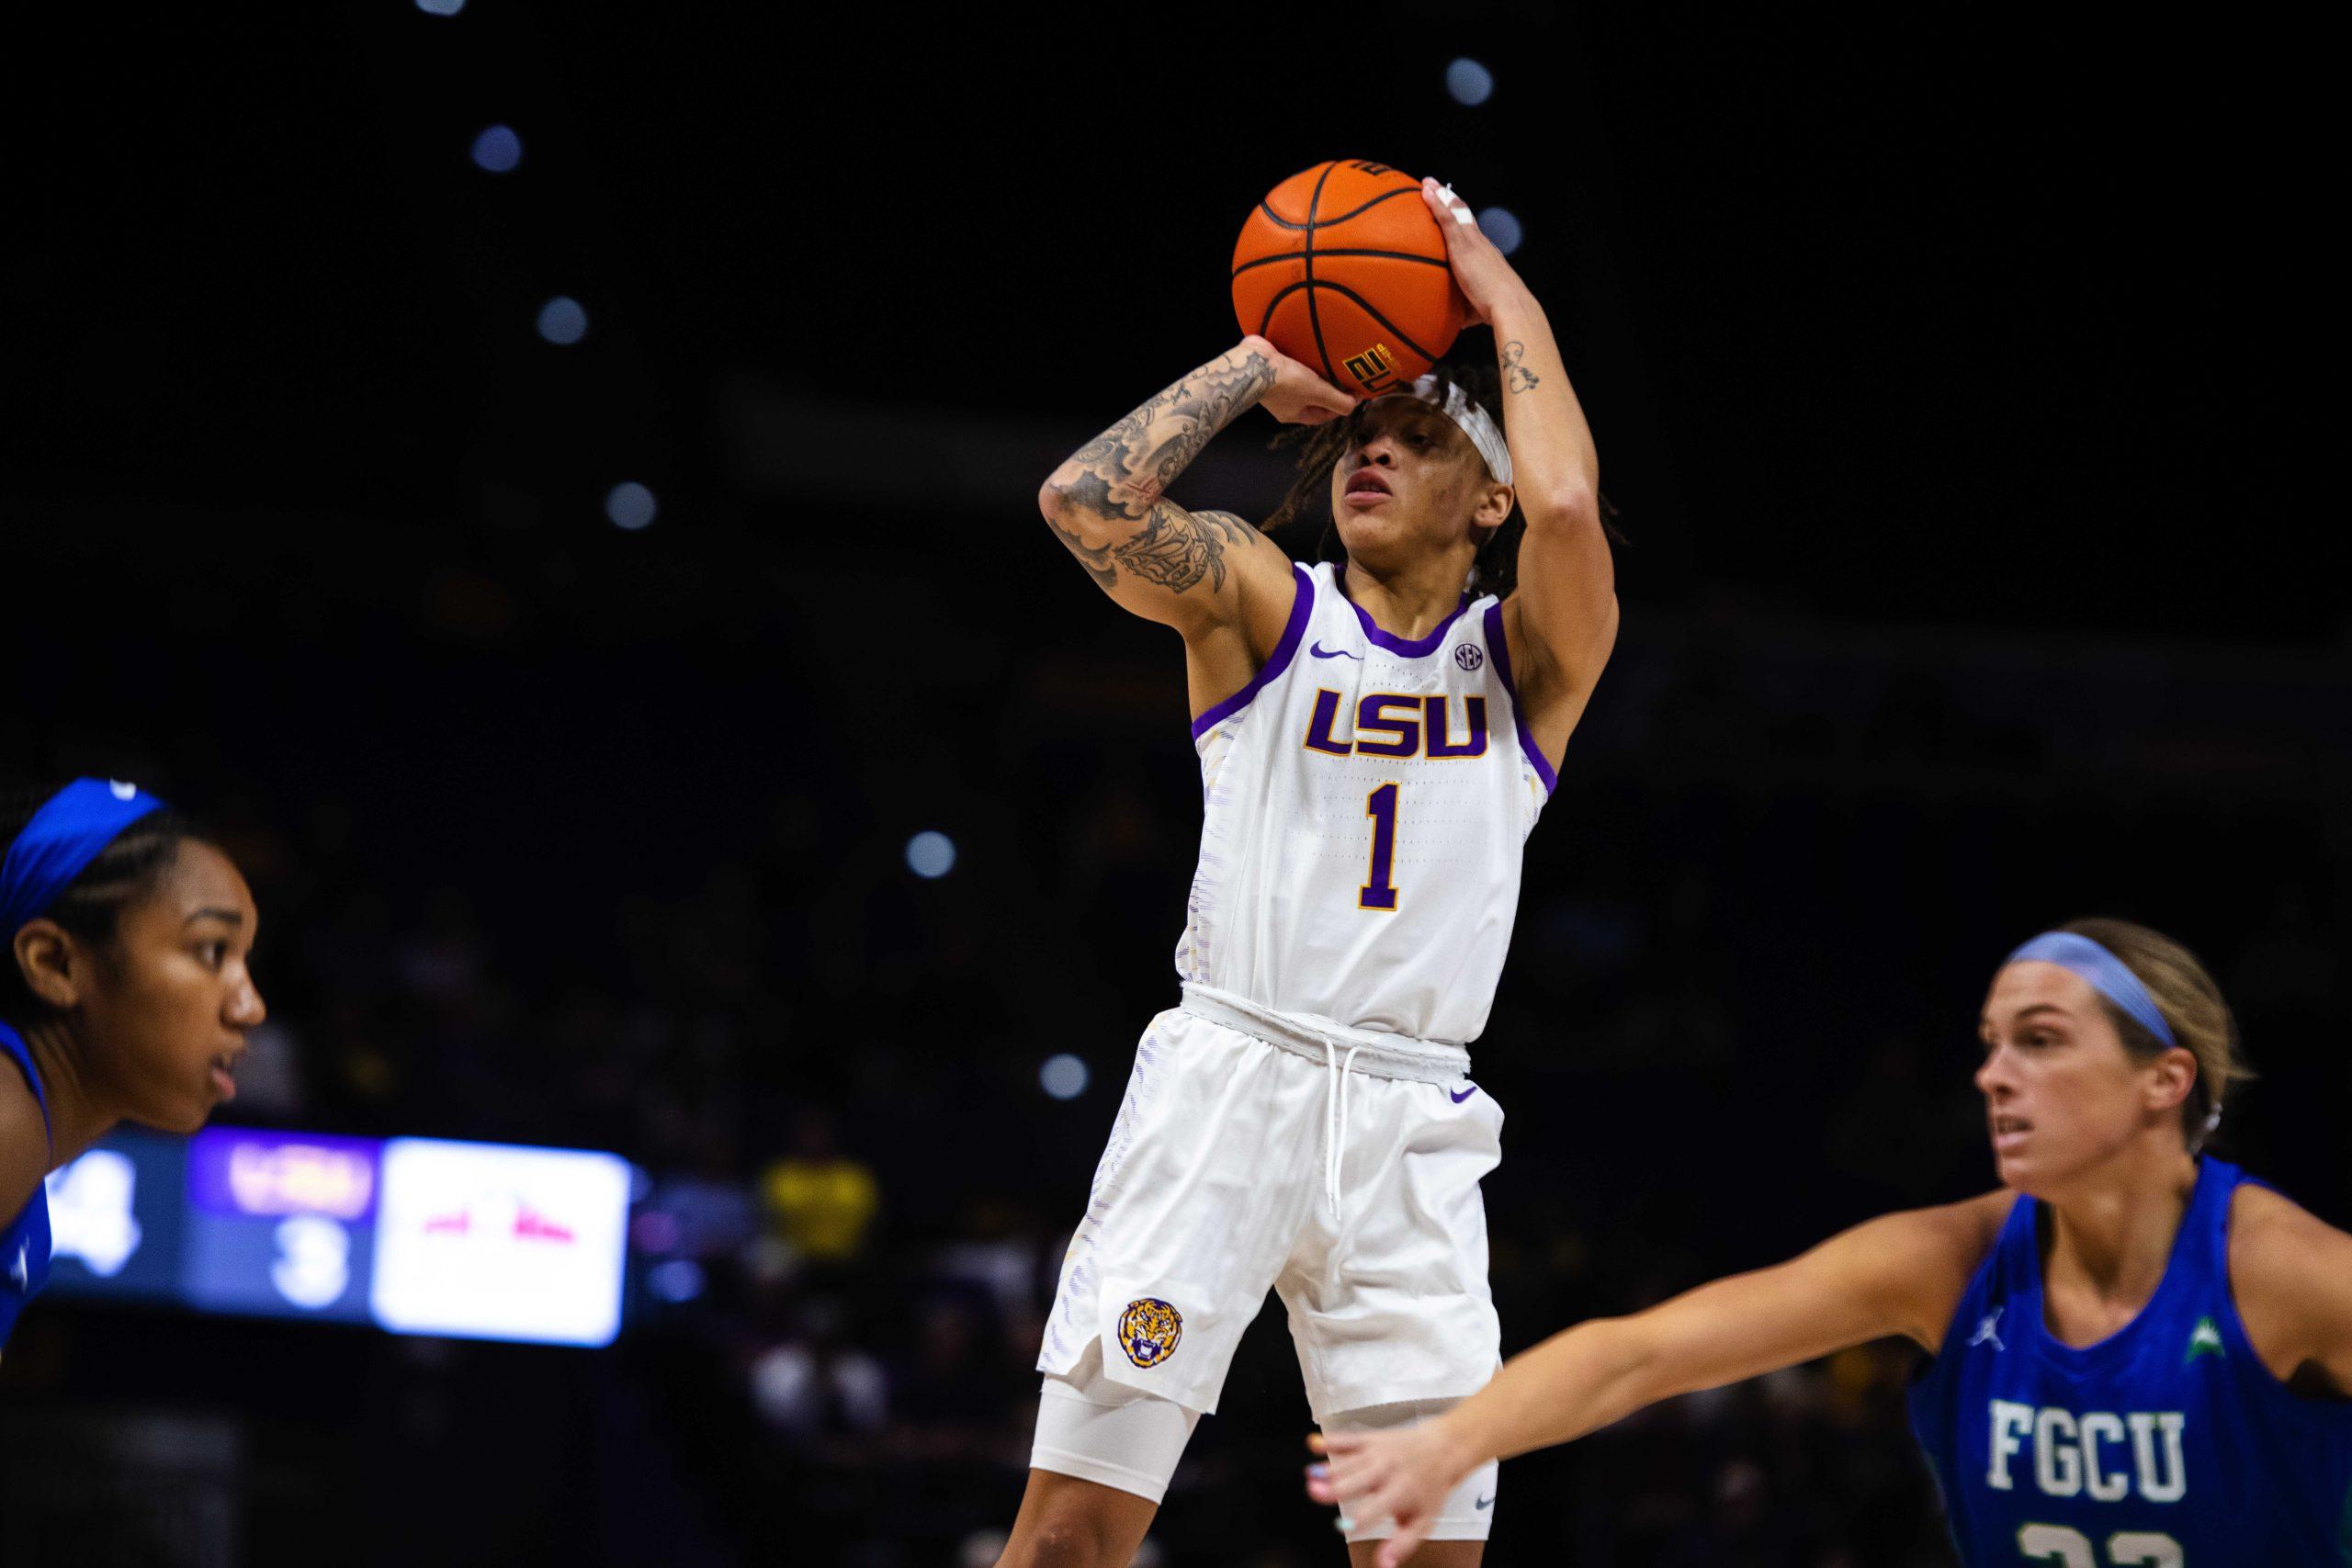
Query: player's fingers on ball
[
  {"x": 1451, "y": 231},
  {"x": 1449, "y": 205}
]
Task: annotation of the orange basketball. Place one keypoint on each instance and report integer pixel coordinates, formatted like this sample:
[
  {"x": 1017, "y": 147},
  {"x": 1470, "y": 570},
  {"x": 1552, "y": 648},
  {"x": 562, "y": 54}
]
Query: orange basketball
[{"x": 1342, "y": 268}]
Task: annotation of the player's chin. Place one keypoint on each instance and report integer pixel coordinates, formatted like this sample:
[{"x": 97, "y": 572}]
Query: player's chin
[
  {"x": 1365, "y": 530},
  {"x": 2022, "y": 1172},
  {"x": 185, "y": 1112},
  {"x": 182, "y": 1117}
]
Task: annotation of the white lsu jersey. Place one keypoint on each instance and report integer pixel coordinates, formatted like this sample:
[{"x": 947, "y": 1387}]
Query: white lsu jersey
[{"x": 1366, "y": 800}]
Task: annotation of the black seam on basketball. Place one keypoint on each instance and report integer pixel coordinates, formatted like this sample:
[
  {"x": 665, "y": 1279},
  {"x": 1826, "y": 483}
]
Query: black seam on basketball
[
  {"x": 1287, "y": 289},
  {"x": 1292, "y": 255},
  {"x": 1307, "y": 253},
  {"x": 1376, "y": 315},
  {"x": 1281, "y": 223},
  {"x": 1284, "y": 292}
]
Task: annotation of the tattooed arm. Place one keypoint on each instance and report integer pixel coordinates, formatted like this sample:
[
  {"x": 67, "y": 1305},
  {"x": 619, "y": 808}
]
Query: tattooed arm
[
  {"x": 1210, "y": 575},
  {"x": 1562, "y": 622}
]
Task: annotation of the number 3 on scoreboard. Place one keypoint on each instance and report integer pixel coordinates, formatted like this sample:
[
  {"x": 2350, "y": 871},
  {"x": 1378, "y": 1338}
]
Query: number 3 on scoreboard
[{"x": 1380, "y": 891}]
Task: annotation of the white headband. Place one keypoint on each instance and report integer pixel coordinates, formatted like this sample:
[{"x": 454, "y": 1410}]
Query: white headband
[{"x": 1476, "y": 423}]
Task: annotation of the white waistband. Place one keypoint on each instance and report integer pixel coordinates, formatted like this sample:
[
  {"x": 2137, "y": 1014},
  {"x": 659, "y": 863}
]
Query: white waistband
[{"x": 1313, "y": 1036}]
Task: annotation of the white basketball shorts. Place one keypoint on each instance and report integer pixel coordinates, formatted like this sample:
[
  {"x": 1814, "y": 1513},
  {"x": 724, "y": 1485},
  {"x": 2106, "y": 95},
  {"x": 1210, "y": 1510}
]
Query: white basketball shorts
[{"x": 1295, "y": 1156}]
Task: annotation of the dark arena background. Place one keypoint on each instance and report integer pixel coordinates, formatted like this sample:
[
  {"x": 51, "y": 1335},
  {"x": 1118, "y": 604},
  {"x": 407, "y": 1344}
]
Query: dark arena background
[{"x": 555, "y": 487}]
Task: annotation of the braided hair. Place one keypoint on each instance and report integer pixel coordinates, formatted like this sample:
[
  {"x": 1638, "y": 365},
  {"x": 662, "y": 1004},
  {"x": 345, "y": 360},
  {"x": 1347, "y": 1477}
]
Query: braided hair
[{"x": 91, "y": 906}]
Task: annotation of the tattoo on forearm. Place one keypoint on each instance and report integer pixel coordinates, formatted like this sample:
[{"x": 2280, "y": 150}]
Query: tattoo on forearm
[
  {"x": 1176, "y": 548},
  {"x": 1517, "y": 376},
  {"x": 1123, "y": 473},
  {"x": 1129, "y": 466}
]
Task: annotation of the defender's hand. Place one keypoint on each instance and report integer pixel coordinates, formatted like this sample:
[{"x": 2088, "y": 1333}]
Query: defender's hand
[
  {"x": 1402, "y": 1476},
  {"x": 1484, "y": 278},
  {"x": 1299, "y": 396}
]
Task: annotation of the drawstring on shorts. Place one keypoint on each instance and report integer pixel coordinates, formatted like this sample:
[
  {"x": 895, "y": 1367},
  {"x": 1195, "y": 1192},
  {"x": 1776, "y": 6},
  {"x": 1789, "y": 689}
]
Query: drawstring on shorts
[
  {"x": 1335, "y": 1119},
  {"x": 1320, "y": 1038}
]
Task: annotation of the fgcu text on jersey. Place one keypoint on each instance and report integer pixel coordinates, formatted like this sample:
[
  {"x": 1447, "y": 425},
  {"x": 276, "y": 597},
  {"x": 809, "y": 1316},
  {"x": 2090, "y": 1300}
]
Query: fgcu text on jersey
[
  {"x": 2167, "y": 1444},
  {"x": 1366, "y": 798}
]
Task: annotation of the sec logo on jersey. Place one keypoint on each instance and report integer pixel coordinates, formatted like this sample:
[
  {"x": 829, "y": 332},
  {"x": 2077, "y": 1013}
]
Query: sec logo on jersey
[{"x": 1149, "y": 1331}]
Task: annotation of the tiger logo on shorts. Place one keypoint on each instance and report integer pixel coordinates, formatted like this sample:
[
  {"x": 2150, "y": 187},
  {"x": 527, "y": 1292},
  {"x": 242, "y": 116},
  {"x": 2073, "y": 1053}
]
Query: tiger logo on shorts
[{"x": 1149, "y": 1331}]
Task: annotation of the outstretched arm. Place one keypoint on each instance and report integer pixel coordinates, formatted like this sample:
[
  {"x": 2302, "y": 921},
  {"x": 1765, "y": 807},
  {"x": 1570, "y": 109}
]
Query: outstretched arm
[
  {"x": 1193, "y": 571},
  {"x": 1561, "y": 621},
  {"x": 1899, "y": 1274}
]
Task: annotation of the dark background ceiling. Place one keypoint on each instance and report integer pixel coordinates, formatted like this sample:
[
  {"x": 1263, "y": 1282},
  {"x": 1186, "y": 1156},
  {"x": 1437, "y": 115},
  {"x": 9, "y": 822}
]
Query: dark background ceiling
[{"x": 1885, "y": 319}]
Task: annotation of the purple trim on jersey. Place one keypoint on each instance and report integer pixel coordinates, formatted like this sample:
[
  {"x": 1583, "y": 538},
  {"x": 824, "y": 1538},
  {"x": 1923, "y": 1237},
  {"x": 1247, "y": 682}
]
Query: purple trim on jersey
[
  {"x": 1293, "y": 631},
  {"x": 1499, "y": 646},
  {"x": 1397, "y": 645}
]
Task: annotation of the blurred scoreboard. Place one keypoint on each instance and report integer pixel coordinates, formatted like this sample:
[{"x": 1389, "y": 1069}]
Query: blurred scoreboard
[{"x": 417, "y": 1235}]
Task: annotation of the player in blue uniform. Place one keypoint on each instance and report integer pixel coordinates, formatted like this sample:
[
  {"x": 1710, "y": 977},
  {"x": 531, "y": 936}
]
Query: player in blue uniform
[
  {"x": 2141, "y": 1356},
  {"x": 124, "y": 994}
]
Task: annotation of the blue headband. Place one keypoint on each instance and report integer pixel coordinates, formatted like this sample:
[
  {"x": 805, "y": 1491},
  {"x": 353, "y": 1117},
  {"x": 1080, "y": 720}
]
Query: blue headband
[
  {"x": 64, "y": 836},
  {"x": 2107, "y": 973}
]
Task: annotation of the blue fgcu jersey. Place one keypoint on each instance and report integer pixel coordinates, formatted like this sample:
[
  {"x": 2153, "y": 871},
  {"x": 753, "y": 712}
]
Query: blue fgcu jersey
[
  {"x": 24, "y": 1239},
  {"x": 2168, "y": 1444}
]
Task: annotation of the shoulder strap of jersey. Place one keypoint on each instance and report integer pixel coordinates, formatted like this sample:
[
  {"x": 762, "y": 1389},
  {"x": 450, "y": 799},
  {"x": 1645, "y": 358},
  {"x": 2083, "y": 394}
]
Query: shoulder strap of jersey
[
  {"x": 1498, "y": 651},
  {"x": 2208, "y": 1219},
  {"x": 2017, "y": 1255}
]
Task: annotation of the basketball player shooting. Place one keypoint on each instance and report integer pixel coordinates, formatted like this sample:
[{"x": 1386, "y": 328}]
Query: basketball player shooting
[{"x": 1376, "y": 739}]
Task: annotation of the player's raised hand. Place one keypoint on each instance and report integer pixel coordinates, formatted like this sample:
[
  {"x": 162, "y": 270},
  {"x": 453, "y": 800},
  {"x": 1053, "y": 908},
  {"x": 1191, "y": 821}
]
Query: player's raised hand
[
  {"x": 1484, "y": 278},
  {"x": 1402, "y": 1476},
  {"x": 1298, "y": 396}
]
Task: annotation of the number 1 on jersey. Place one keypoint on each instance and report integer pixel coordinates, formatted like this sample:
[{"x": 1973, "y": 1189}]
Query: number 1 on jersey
[{"x": 1380, "y": 893}]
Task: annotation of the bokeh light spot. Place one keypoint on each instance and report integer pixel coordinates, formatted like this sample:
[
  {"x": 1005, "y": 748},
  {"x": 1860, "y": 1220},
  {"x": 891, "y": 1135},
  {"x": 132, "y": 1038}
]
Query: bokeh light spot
[
  {"x": 563, "y": 320},
  {"x": 679, "y": 1279},
  {"x": 498, "y": 149},
  {"x": 1064, "y": 1076},
  {"x": 1501, "y": 225},
  {"x": 1469, "y": 82},
  {"x": 630, "y": 505},
  {"x": 931, "y": 854}
]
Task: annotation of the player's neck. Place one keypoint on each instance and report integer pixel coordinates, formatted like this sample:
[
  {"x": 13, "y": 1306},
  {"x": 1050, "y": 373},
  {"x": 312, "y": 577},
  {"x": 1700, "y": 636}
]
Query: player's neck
[
  {"x": 1411, "y": 599},
  {"x": 79, "y": 1112},
  {"x": 2113, "y": 1229}
]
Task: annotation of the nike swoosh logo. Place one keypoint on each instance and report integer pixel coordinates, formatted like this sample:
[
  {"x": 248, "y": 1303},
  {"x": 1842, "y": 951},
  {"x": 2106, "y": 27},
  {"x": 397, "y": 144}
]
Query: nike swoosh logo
[
  {"x": 1320, "y": 651},
  {"x": 1486, "y": 1502},
  {"x": 1457, "y": 1100}
]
